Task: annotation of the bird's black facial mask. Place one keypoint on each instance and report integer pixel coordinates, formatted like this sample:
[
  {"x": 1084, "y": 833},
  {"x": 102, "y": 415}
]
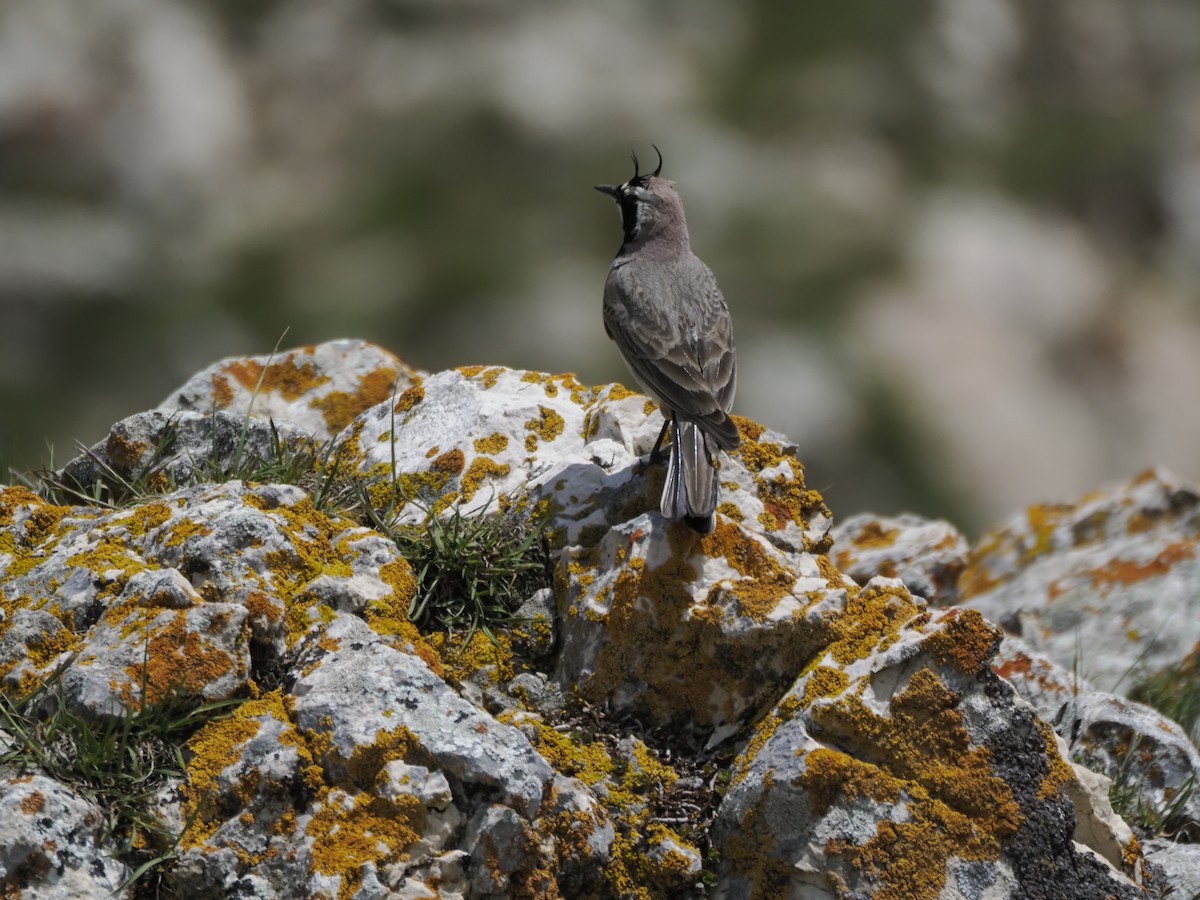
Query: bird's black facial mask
[{"x": 632, "y": 197}]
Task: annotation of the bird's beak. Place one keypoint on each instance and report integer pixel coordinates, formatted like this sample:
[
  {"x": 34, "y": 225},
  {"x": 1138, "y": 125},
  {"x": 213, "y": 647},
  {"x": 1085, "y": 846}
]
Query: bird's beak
[{"x": 611, "y": 189}]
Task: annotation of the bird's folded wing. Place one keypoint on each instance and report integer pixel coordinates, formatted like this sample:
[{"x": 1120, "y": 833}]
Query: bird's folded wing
[{"x": 678, "y": 341}]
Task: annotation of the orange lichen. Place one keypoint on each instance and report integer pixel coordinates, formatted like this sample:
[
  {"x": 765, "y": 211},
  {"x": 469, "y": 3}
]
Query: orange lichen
[
  {"x": 284, "y": 377},
  {"x": 176, "y": 659},
  {"x": 409, "y": 398},
  {"x": 340, "y": 407},
  {"x": 967, "y": 641},
  {"x": 123, "y": 454},
  {"x": 263, "y": 606},
  {"x": 1121, "y": 573},
  {"x": 222, "y": 391},
  {"x": 451, "y": 462}
]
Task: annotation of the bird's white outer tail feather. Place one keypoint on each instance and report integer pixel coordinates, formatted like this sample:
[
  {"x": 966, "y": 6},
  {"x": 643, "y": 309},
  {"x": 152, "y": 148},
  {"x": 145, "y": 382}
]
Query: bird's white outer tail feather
[
  {"x": 691, "y": 487},
  {"x": 674, "y": 502}
]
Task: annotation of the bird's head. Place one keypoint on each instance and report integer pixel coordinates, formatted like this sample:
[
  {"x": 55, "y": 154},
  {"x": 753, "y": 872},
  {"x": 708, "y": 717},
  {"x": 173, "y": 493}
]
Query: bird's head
[{"x": 650, "y": 206}]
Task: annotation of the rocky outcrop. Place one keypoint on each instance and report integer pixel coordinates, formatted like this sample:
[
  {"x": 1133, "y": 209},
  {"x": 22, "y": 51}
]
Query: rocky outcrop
[{"x": 671, "y": 715}]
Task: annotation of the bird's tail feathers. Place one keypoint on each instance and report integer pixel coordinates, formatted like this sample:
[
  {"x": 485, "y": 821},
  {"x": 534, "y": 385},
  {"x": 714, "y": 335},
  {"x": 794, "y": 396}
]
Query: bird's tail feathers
[{"x": 691, "y": 488}]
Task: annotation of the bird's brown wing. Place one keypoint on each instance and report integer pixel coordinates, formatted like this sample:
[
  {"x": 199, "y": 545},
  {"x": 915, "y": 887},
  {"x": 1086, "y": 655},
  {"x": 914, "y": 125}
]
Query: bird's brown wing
[{"x": 673, "y": 329}]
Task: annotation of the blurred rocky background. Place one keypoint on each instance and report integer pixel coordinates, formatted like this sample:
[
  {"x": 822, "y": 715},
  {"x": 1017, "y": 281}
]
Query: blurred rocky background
[{"x": 960, "y": 238}]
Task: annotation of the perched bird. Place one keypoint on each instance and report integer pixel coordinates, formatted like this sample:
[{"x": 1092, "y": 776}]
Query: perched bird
[{"x": 663, "y": 309}]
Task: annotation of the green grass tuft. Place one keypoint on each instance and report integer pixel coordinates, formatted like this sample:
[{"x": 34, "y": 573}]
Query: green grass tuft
[{"x": 472, "y": 571}]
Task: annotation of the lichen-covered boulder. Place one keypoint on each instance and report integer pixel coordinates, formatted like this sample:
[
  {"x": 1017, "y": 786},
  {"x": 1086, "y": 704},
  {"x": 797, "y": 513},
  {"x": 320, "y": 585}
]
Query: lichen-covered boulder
[
  {"x": 179, "y": 594},
  {"x": 155, "y": 451},
  {"x": 900, "y": 766},
  {"x": 367, "y": 772},
  {"x": 317, "y": 389},
  {"x": 1109, "y": 585},
  {"x": 928, "y": 555},
  {"x": 691, "y": 631},
  {"x": 478, "y": 437}
]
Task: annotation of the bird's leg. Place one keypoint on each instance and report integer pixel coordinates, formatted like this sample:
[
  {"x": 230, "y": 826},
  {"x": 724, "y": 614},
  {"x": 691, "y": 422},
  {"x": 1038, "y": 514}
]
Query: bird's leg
[{"x": 655, "y": 456}]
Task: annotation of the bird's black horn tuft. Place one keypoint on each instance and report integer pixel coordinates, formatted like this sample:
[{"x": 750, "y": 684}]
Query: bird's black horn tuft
[
  {"x": 633, "y": 156},
  {"x": 659, "y": 152}
]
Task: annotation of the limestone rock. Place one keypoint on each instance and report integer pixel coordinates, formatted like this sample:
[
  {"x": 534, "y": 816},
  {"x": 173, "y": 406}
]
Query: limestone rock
[
  {"x": 1115, "y": 574},
  {"x": 353, "y": 681},
  {"x": 1142, "y": 750},
  {"x": 157, "y": 450},
  {"x": 476, "y": 435},
  {"x": 49, "y": 843},
  {"x": 377, "y": 774},
  {"x": 317, "y": 389},
  {"x": 928, "y": 555},
  {"x": 1180, "y": 862}
]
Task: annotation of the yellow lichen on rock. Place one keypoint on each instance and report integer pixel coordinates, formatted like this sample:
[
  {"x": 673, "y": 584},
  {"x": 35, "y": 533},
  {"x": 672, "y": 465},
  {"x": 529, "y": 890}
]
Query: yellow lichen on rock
[
  {"x": 349, "y": 830},
  {"x": 480, "y": 469},
  {"x": 546, "y": 426},
  {"x": 492, "y": 444},
  {"x": 213, "y": 748},
  {"x": 966, "y": 641},
  {"x": 871, "y": 621},
  {"x": 956, "y": 805},
  {"x": 764, "y": 582}
]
